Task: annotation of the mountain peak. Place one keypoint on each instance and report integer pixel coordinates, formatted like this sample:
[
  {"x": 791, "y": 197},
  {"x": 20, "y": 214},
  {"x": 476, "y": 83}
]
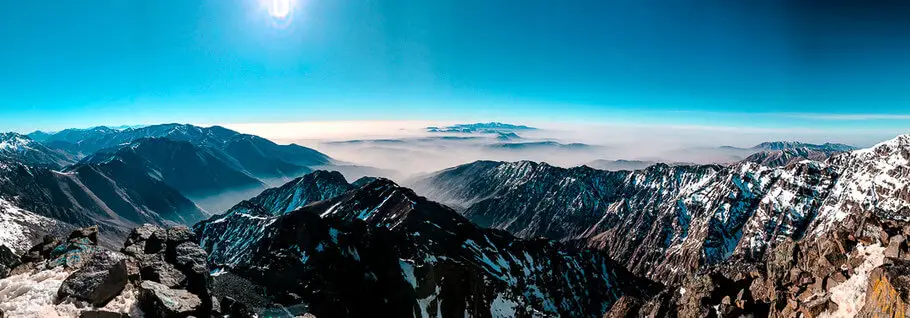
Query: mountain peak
[
  {"x": 788, "y": 145},
  {"x": 14, "y": 142}
]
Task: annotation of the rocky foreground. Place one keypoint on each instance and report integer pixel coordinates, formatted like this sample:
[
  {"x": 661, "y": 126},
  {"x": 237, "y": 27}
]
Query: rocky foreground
[
  {"x": 859, "y": 270},
  {"x": 158, "y": 273}
]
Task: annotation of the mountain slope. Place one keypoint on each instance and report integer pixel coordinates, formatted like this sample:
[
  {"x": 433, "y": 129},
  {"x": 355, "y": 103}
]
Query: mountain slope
[
  {"x": 191, "y": 170},
  {"x": 381, "y": 248},
  {"x": 254, "y": 155},
  {"x": 664, "y": 222},
  {"x": 20, "y": 229},
  {"x": 113, "y": 197},
  {"x": 317, "y": 186},
  {"x": 20, "y": 148},
  {"x": 779, "y": 158}
]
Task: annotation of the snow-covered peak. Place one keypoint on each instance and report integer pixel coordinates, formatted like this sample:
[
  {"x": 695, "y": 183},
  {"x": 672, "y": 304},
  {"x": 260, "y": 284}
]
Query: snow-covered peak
[
  {"x": 13, "y": 142},
  {"x": 888, "y": 146}
]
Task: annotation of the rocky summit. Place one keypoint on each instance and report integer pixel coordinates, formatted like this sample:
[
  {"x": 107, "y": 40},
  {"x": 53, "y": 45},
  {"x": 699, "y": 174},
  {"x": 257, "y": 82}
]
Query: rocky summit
[
  {"x": 157, "y": 273},
  {"x": 382, "y": 248}
]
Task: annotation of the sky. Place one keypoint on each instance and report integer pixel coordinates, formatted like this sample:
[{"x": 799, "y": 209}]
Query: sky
[{"x": 821, "y": 66}]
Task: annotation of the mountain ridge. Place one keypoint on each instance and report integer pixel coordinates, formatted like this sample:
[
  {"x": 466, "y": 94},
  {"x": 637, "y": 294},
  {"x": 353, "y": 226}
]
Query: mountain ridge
[
  {"x": 692, "y": 216},
  {"x": 424, "y": 258}
]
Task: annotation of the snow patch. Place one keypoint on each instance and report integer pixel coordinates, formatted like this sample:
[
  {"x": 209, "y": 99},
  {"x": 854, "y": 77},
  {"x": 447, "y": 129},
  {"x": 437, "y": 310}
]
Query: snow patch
[
  {"x": 33, "y": 295},
  {"x": 18, "y": 226},
  {"x": 851, "y": 295}
]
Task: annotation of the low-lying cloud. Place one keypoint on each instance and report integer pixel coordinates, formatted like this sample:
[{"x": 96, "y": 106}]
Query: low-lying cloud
[{"x": 406, "y": 148}]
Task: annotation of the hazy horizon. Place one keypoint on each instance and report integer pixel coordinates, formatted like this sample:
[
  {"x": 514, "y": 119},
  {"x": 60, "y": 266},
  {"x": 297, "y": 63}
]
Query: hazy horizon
[{"x": 793, "y": 69}]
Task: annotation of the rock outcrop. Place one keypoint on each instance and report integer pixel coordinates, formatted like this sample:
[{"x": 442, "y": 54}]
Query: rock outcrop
[
  {"x": 161, "y": 272},
  {"x": 8, "y": 261},
  {"x": 860, "y": 269}
]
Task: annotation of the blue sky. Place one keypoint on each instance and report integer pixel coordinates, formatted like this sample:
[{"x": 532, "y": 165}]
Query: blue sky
[{"x": 768, "y": 64}]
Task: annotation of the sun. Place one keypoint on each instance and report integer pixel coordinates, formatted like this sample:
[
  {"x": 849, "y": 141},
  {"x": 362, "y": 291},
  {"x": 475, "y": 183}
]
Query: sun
[{"x": 280, "y": 9}]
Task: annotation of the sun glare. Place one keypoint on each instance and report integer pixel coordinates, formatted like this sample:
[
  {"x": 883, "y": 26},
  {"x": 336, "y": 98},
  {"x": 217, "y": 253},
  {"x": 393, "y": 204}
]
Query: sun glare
[{"x": 280, "y": 9}]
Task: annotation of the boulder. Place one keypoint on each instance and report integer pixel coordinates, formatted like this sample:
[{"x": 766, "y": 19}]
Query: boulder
[
  {"x": 41, "y": 251},
  {"x": 158, "y": 300},
  {"x": 72, "y": 253},
  {"x": 100, "y": 280},
  {"x": 89, "y": 233},
  {"x": 191, "y": 260},
  {"x": 816, "y": 307},
  {"x": 146, "y": 239},
  {"x": 180, "y": 234},
  {"x": 894, "y": 246},
  {"x": 888, "y": 290},
  {"x": 156, "y": 269},
  {"x": 8, "y": 261}
]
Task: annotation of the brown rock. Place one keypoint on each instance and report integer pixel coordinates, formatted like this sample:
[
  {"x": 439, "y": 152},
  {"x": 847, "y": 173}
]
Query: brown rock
[
  {"x": 816, "y": 307},
  {"x": 887, "y": 291},
  {"x": 625, "y": 307},
  {"x": 894, "y": 246}
]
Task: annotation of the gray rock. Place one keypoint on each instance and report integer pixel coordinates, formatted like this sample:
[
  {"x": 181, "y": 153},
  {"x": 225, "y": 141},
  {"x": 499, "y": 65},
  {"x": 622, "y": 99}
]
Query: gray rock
[
  {"x": 41, "y": 251},
  {"x": 8, "y": 261},
  {"x": 101, "y": 278},
  {"x": 180, "y": 234},
  {"x": 90, "y": 233},
  {"x": 192, "y": 261},
  {"x": 146, "y": 239},
  {"x": 190, "y": 255},
  {"x": 894, "y": 246},
  {"x": 158, "y": 300},
  {"x": 156, "y": 269}
]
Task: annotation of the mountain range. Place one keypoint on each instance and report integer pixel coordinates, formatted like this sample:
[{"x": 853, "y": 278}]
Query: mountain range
[
  {"x": 481, "y": 128},
  {"x": 665, "y": 221},
  {"x": 793, "y": 230},
  {"x": 381, "y": 248},
  {"x": 161, "y": 174}
]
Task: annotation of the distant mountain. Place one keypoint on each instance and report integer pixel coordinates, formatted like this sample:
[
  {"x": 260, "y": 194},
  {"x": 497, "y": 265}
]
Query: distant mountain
[
  {"x": 382, "y": 249},
  {"x": 39, "y": 136},
  {"x": 779, "y": 158},
  {"x": 732, "y": 155},
  {"x": 616, "y": 165},
  {"x": 486, "y": 128},
  {"x": 257, "y": 156},
  {"x": 663, "y": 222},
  {"x": 195, "y": 172},
  {"x": 20, "y": 148},
  {"x": 539, "y": 145},
  {"x": 508, "y": 136},
  {"x": 782, "y": 153},
  {"x": 788, "y": 145},
  {"x": 110, "y": 195}
]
